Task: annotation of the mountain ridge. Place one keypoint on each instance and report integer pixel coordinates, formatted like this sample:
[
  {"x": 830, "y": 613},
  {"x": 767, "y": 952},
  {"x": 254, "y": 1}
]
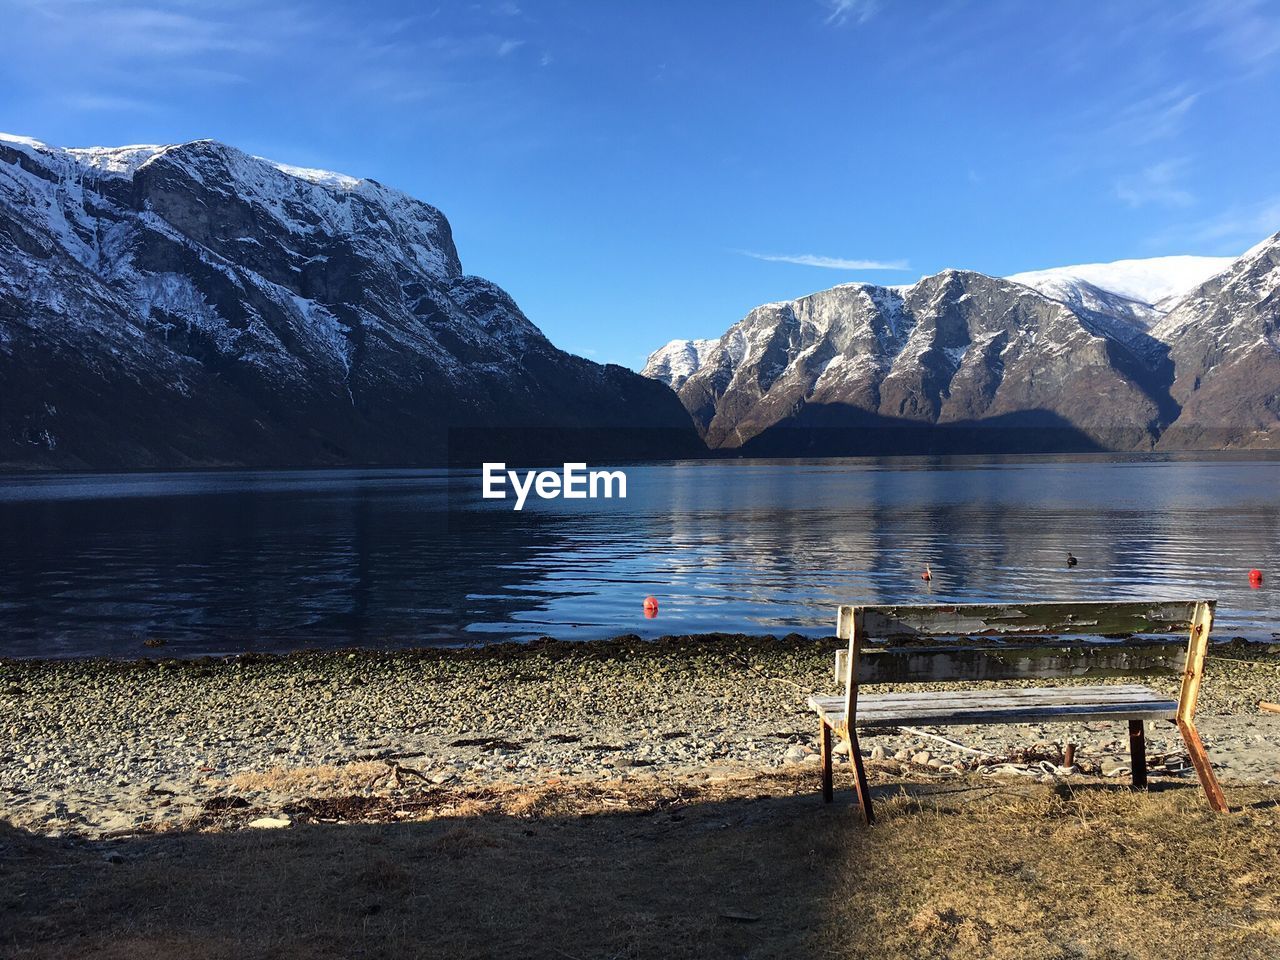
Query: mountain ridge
[
  {"x": 1045, "y": 348},
  {"x": 188, "y": 304}
]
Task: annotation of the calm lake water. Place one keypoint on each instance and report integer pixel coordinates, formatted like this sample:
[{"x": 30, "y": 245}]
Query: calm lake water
[{"x": 228, "y": 562}]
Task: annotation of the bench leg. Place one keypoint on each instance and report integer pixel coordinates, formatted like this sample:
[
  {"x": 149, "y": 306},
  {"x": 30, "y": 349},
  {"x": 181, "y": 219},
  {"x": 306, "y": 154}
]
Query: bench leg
[
  {"x": 828, "y": 786},
  {"x": 860, "y": 778},
  {"x": 1138, "y": 753},
  {"x": 1204, "y": 769}
]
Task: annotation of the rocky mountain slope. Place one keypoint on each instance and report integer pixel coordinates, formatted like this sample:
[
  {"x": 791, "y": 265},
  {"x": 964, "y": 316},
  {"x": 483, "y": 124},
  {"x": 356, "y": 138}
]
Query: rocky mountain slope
[
  {"x": 1102, "y": 356},
  {"x": 1224, "y": 339},
  {"x": 193, "y": 305}
]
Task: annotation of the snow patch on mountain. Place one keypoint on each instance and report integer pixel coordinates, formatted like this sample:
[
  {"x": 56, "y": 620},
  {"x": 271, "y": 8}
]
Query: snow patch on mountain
[
  {"x": 324, "y": 178},
  {"x": 676, "y": 362},
  {"x": 1152, "y": 281}
]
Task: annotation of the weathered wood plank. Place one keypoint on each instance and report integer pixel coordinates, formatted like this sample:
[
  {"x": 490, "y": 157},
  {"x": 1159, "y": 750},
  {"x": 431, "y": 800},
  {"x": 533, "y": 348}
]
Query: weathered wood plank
[
  {"x": 918, "y": 707},
  {"x": 1011, "y": 619},
  {"x": 1047, "y": 696},
  {"x": 986, "y": 661},
  {"x": 1109, "y": 691},
  {"x": 1014, "y": 714},
  {"x": 1003, "y": 706},
  {"x": 1075, "y": 639}
]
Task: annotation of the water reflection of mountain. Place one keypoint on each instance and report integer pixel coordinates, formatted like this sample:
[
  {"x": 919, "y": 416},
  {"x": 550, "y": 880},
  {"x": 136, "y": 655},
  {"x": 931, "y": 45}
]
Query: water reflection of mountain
[
  {"x": 253, "y": 562},
  {"x": 860, "y": 532},
  {"x": 216, "y": 563}
]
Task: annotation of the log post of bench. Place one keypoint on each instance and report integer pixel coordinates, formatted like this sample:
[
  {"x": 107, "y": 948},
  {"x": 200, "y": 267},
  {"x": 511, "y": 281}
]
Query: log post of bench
[
  {"x": 1192, "y": 674},
  {"x": 1138, "y": 753},
  {"x": 986, "y": 642},
  {"x": 850, "y": 730}
]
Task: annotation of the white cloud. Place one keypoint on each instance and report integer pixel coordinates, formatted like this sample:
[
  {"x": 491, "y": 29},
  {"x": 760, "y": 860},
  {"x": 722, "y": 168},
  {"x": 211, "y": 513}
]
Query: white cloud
[
  {"x": 124, "y": 54},
  {"x": 96, "y": 103},
  {"x": 1159, "y": 184},
  {"x": 829, "y": 263},
  {"x": 1228, "y": 233},
  {"x": 1157, "y": 116},
  {"x": 1241, "y": 30},
  {"x": 851, "y": 11}
]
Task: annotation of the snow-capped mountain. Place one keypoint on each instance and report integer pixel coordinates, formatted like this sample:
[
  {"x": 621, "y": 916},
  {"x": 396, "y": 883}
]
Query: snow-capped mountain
[
  {"x": 1124, "y": 299},
  {"x": 1224, "y": 341},
  {"x": 1155, "y": 283},
  {"x": 189, "y": 304},
  {"x": 1100, "y": 356},
  {"x": 678, "y": 361}
]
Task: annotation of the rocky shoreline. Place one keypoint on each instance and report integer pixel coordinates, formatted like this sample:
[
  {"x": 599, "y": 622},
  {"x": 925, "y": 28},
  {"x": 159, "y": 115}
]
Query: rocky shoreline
[{"x": 92, "y": 747}]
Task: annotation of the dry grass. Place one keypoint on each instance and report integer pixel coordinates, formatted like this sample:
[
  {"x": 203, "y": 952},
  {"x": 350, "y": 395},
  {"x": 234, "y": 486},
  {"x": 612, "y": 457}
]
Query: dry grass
[{"x": 751, "y": 867}]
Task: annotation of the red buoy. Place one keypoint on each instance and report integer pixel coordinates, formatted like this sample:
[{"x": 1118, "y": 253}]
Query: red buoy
[
  {"x": 1255, "y": 578},
  {"x": 927, "y": 575},
  {"x": 650, "y": 607}
]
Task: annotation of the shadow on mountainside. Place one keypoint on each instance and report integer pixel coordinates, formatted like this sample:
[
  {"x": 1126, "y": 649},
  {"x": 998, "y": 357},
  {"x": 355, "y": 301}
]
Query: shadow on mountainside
[{"x": 842, "y": 430}]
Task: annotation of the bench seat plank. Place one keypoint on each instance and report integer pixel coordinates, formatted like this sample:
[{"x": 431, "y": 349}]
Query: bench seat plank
[{"x": 1019, "y": 705}]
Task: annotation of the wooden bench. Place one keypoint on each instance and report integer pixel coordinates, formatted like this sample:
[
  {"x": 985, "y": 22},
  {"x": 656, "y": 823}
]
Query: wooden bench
[{"x": 901, "y": 644}]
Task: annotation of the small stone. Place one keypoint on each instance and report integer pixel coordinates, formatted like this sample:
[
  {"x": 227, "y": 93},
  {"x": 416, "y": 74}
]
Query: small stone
[
  {"x": 795, "y": 753},
  {"x": 935, "y": 763},
  {"x": 902, "y": 756},
  {"x": 922, "y": 758},
  {"x": 841, "y": 749},
  {"x": 270, "y": 823},
  {"x": 877, "y": 753},
  {"x": 1113, "y": 768}
]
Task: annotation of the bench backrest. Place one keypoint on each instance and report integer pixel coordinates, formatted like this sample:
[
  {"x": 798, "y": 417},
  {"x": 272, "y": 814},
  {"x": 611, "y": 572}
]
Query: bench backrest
[{"x": 905, "y": 643}]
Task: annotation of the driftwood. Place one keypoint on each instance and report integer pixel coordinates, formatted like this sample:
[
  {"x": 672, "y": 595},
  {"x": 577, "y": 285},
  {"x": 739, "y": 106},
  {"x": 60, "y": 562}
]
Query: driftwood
[{"x": 395, "y": 775}]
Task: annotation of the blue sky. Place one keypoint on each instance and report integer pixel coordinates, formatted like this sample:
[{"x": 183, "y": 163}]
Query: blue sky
[{"x": 633, "y": 172}]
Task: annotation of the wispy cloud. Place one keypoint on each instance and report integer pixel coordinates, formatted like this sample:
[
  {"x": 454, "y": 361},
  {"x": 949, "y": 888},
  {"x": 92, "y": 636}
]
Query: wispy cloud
[
  {"x": 1227, "y": 233},
  {"x": 829, "y": 263},
  {"x": 1242, "y": 30},
  {"x": 149, "y": 32},
  {"x": 841, "y": 12},
  {"x": 108, "y": 104},
  {"x": 1160, "y": 183},
  {"x": 127, "y": 55},
  {"x": 1157, "y": 116}
]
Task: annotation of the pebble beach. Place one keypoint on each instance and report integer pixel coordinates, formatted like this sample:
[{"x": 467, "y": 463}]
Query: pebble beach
[{"x": 111, "y": 748}]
